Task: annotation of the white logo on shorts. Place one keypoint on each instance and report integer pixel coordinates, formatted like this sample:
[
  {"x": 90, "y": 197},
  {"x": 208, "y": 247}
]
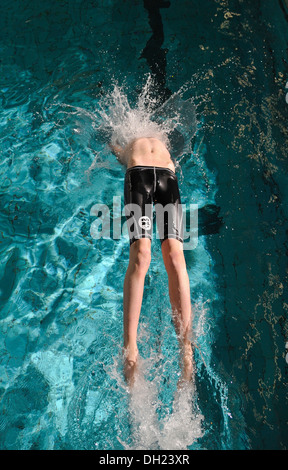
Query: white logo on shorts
[{"x": 145, "y": 222}]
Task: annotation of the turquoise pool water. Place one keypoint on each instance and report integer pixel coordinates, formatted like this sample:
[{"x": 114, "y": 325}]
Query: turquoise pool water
[{"x": 61, "y": 383}]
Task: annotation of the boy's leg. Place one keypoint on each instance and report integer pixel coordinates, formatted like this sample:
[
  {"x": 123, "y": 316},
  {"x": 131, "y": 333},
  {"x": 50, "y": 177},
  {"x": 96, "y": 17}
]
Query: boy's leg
[
  {"x": 139, "y": 261},
  {"x": 179, "y": 293}
]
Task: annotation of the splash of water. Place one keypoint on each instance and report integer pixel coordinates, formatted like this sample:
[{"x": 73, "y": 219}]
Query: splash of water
[
  {"x": 174, "y": 123},
  {"x": 179, "y": 429},
  {"x": 152, "y": 424},
  {"x": 119, "y": 118}
]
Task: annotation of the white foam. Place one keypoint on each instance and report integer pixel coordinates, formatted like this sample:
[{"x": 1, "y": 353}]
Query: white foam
[
  {"x": 146, "y": 118},
  {"x": 179, "y": 428}
]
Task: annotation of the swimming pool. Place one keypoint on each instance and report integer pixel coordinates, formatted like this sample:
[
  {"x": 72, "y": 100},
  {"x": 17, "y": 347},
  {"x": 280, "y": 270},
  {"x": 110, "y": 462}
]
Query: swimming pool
[{"x": 61, "y": 289}]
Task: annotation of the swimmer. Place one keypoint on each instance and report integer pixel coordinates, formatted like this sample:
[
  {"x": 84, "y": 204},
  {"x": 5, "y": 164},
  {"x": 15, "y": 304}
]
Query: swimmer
[{"x": 150, "y": 178}]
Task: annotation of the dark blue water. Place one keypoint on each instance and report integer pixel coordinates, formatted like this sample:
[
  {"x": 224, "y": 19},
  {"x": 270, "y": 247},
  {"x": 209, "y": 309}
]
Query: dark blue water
[{"x": 61, "y": 383}]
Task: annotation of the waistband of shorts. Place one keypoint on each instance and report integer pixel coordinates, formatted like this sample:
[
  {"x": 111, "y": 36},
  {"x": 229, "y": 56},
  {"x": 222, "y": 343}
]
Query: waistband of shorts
[{"x": 146, "y": 167}]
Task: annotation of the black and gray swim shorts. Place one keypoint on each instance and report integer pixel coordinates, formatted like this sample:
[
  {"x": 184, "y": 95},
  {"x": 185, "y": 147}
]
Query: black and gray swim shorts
[{"x": 148, "y": 185}]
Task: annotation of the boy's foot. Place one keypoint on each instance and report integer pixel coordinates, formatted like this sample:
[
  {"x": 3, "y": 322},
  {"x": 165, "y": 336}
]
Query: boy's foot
[{"x": 130, "y": 365}]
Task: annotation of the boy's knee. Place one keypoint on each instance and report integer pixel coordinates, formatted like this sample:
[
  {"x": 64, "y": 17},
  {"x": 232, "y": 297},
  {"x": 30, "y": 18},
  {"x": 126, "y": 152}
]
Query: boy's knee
[
  {"x": 174, "y": 259},
  {"x": 141, "y": 256}
]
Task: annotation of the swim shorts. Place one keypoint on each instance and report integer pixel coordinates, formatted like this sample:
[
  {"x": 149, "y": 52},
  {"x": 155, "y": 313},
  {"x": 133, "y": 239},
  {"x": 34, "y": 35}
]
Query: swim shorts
[{"x": 148, "y": 185}]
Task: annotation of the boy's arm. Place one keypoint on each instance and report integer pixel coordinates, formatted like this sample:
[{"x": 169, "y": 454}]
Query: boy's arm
[{"x": 118, "y": 152}]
